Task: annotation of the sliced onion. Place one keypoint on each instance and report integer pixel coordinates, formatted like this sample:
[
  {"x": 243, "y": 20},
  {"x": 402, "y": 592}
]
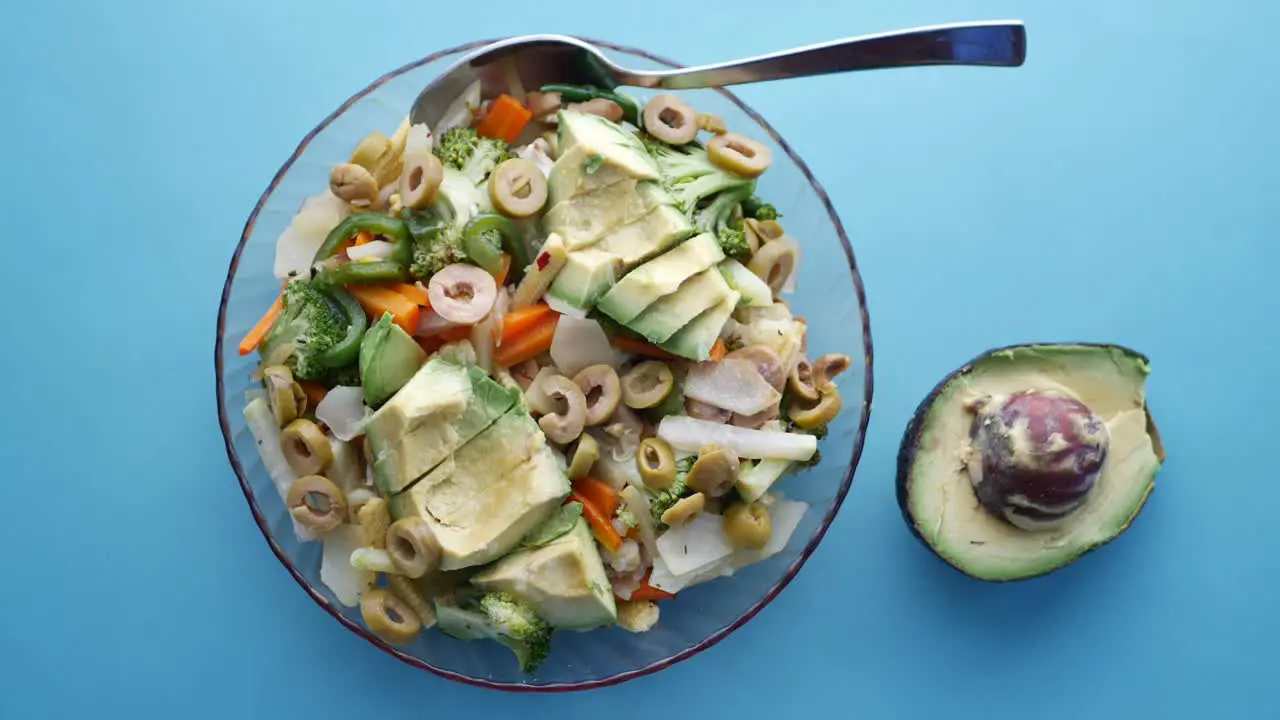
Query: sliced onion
[
  {"x": 694, "y": 546},
  {"x": 580, "y": 343},
  {"x": 344, "y": 411},
  {"x": 462, "y": 293},
  {"x": 430, "y": 324},
  {"x": 538, "y": 152},
  {"x": 297, "y": 245},
  {"x": 373, "y": 250},
  {"x": 637, "y": 504},
  {"x": 691, "y": 434},
  {"x": 346, "y": 582},
  {"x": 732, "y": 384},
  {"x": 418, "y": 139},
  {"x": 458, "y": 114},
  {"x": 482, "y": 341}
]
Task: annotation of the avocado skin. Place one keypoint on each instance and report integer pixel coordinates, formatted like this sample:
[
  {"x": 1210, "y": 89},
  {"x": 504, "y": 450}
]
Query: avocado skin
[{"x": 909, "y": 446}]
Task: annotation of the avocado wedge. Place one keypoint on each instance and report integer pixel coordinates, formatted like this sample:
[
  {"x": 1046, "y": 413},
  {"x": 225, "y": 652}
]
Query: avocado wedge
[{"x": 1028, "y": 457}]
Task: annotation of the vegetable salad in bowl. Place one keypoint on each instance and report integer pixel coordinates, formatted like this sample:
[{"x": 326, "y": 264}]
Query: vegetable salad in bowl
[{"x": 534, "y": 371}]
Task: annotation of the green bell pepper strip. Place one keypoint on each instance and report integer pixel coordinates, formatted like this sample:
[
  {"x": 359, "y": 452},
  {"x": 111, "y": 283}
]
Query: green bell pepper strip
[
  {"x": 391, "y": 228},
  {"x": 345, "y": 351},
  {"x": 364, "y": 273},
  {"x": 488, "y": 256},
  {"x": 583, "y": 93}
]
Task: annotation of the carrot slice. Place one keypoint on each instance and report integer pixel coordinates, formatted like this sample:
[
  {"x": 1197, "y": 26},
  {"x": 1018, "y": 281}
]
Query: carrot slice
[
  {"x": 649, "y": 592},
  {"x": 603, "y": 497},
  {"x": 377, "y": 299},
  {"x": 636, "y": 346},
  {"x": 260, "y": 330},
  {"x": 518, "y": 322},
  {"x": 527, "y": 345},
  {"x": 506, "y": 119},
  {"x": 718, "y": 351},
  {"x": 601, "y": 524},
  {"x": 503, "y": 270},
  {"x": 454, "y": 334},
  {"x": 363, "y": 238},
  {"x": 314, "y": 391},
  {"x": 413, "y": 292}
]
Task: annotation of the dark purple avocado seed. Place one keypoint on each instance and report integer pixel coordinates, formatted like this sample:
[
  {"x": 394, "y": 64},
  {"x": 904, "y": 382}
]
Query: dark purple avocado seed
[{"x": 1037, "y": 454}]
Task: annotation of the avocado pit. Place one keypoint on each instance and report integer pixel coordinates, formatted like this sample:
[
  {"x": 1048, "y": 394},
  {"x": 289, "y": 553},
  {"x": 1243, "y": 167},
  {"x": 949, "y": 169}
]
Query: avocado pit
[{"x": 1035, "y": 456}]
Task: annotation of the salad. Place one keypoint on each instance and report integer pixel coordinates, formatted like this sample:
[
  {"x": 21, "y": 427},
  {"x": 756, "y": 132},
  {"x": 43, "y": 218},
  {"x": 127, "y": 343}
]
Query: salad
[{"x": 530, "y": 370}]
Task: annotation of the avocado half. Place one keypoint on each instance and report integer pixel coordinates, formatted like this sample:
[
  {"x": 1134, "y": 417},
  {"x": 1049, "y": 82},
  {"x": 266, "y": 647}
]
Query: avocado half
[{"x": 944, "y": 442}]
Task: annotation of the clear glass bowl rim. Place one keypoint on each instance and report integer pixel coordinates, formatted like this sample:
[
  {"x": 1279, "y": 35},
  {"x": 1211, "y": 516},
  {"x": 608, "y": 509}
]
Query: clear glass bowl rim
[{"x": 620, "y": 677}]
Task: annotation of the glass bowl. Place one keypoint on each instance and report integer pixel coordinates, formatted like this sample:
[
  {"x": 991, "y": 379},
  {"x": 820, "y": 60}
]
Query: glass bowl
[{"x": 829, "y": 295}]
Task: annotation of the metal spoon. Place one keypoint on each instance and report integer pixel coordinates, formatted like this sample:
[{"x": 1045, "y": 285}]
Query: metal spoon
[{"x": 543, "y": 59}]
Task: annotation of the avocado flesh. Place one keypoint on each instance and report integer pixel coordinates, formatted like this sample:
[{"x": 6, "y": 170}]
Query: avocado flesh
[
  {"x": 665, "y": 317},
  {"x": 389, "y": 358},
  {"x": 695, "y": 340},
  {"x": 935, "y": 490},
  {"x": 593, "y": 154},
  {"x": 584, "y": 220},
  {"x": 564, "y": 581},
  {"x": 489, "y": 494},
  {"x": 659, "y": 277},
  {"x": 441, "y": 408}
]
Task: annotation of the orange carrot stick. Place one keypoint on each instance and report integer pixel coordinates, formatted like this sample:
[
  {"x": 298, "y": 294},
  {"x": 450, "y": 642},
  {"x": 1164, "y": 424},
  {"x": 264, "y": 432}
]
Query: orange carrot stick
[
  {"x": 601, "y": 524},
  {"x": 454, "y": 334},
  {"x": 604, "y": 498},
  {"x": 530, "y": 344},
  {"x": 718, "y": 351},
  {"x": 315, "y": 392},
  {"x": 506, "y": 119},
  {"x": 518, "y": 322},
  {"x": 376, "y": 299},
  {"x": 413, "y": 292},
  {"x": 503, "y": 271},
  {"x": 259, "y": 331},
  {"x": 649, "y": 592},
  {"x": 636, "y": 346}
]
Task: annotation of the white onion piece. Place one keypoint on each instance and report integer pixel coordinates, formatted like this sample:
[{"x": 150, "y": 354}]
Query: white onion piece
[
  {"x": 418, "y": 139},
  {"x": 733, "y": 384},
  {"x": 344, "y": 411},
  {"x": 690, "y": 434},
  {"x": 373, "y": 250},
  {"x": 695, "y": 545},
  {"x": 753, "y": 483},
  {"x": 297, "y": 245},
  {"x": 538, "y": 152},
  {"x": 372, "y": 560},
  {"x": 580, "y": 343},
  {"x": 458, "y": 114},
  {"x": 346, "y": 582},
  {"x": 563, "y": 307},
  {"x": 624, "y": 586},
  {"x": 482, "y": 341},
  {"x": 638, "y": 505},
  {"x": 430, "y": 323},
  {"x": 462, "y": 293}
]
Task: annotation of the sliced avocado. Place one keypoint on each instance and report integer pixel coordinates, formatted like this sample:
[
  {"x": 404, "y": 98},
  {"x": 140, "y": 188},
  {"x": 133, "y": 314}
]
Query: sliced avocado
[
  {"x": 586, "y": 275},
  {"x": 1028, "y": 457},
  {"x": 663, "y": 318},
  {"x": 595, "y": 153},
  {"x": 663, "y": 227},
  {"x": 695, "y": 340},
  {"x": 583, "y": 220},
  {"x": 434, "y": 414},
  {"x": 389, "y": 358},
  {"x": 489, "y": 494},
  {"x": 660, "y": 276},
  {"x": 755, "y": 292},
  {"x": 564, "y": 581}
]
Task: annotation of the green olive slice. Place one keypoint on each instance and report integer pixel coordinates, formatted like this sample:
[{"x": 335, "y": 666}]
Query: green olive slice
[
  {"x": 601, "y": 388},
  {"x": 684, "y": 510},
  {"x": 413, "y": 547},
  {"x": 420, "y": 179},
  {"x": 353, "y": 183},
  {"x": 517, "y": 188},
  {"x": 748, "y": 526},
  {"x": 369, "y": 150},
  {"x": 316, "y": 503},
  {"x": 773, "y": 263},
  {"x": 389, "y": 617},
  {"x": 800, "y": 381},
  {"x": 670, "y": 119},
  {"x": 656, "y": 463},
  {"x": 714, "y": 472},
  {"x": 812, "y": 417},
  {"x": 647, "y": 384},
  {"x": 564, "y": 427},
  {"x": 305, "y": 447},
  {"x": 739, "y": 154},
  {"x": 284, "y": 396},
  {"x": 585, "y": 454},
  {"x": 827, "y": 367}
]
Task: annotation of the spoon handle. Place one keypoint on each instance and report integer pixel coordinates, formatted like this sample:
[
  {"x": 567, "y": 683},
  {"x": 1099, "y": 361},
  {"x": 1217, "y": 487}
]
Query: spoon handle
[{"x": 1001, "y": 43}]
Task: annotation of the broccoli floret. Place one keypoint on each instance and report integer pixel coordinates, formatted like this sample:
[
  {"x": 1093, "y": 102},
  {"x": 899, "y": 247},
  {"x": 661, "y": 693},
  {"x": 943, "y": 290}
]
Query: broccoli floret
[
  {"x": 757, "y": 209},
  {"x": 312, "y": 323},
  {"x": 706, "y": 193},
  {"x": 626, "y": 518},
  {"x": 430, "y": 254},
  {"x": 517, "y": 626},
  {"x": 476, "y": 157},
  {"x": 662, "y": 500}
]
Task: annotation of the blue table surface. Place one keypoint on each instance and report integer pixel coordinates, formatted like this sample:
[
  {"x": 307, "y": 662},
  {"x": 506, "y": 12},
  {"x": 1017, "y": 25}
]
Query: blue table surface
[{"x": 1118, "y": 187}]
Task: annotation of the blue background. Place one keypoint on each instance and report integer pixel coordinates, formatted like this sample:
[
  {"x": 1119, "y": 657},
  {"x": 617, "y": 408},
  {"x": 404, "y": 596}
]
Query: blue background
[{"x": 1119, "y": 187}]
